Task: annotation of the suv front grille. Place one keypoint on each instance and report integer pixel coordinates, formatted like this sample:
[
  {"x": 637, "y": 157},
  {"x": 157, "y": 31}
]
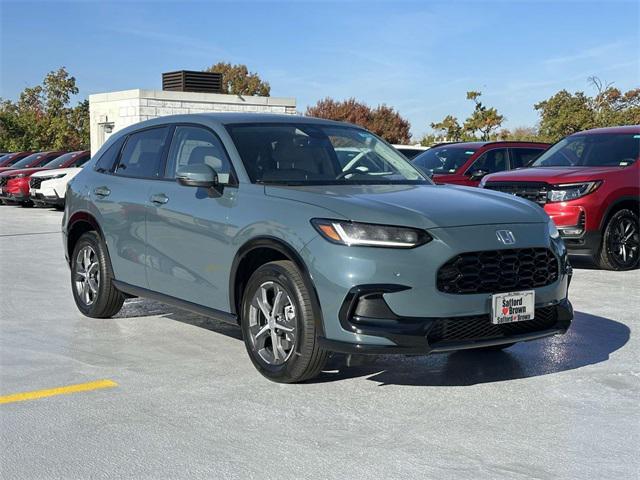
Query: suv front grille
[
  {"x": 498, "y": 271},
  {"x": 3, "y": 181},
  {"x": 479, "y": 327},
  {"x": 534, "y": 191},
  {"x": 35, "y": 182}
]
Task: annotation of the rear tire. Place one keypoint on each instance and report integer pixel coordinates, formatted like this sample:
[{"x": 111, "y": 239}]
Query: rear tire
[
  {"x": 91, "y": 278},
  {"x": 620, "y": 249},
  {"x": 278, "y": 324}
]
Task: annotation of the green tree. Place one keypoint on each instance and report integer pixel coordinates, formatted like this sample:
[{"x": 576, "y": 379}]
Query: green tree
[
  {"x": 484, "y": 120},
  {"x": 382, "y": 120},
  {"x": 42, "y": 119},
  {"x": 520, "y": 134},
  {"x": 565, "y": 113},
  {"x": 449, "y": 128},
  {"x": 238, "y": 80}
]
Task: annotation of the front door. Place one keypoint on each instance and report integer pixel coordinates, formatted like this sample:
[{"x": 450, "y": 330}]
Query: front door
[{"x": 189, "y": 229}]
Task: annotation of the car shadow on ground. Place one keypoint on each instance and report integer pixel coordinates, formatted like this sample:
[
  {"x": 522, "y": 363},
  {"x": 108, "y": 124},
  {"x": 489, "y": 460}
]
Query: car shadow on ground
[{"x": 590, "y": 340}]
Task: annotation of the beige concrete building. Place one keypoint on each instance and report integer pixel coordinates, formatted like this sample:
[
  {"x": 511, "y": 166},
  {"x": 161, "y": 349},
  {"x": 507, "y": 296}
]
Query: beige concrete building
[{"x": 110, "y": 112}]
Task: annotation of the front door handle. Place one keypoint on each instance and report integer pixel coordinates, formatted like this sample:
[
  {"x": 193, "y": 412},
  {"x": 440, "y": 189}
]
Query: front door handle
[
  {"x": 102, "y": 191},
  {"x": 159, "y": 198}
]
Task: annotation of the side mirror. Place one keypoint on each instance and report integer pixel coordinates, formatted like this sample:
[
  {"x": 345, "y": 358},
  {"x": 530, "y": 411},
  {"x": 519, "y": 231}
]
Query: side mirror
[
  {"x": 197, "y": 176},
  {"x": 477, "y": 174}
]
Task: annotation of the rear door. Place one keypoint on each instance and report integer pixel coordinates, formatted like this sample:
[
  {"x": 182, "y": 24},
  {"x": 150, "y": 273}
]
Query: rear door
[
  {"x": 121, "y": 196},
  {"x": 521, "y": 156},
  {"x": 188, "y": 228}
]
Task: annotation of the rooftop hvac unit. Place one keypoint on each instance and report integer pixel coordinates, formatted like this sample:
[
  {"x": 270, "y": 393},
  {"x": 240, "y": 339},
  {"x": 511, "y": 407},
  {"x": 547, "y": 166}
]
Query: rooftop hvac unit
[{"x": 190, "y": 81}]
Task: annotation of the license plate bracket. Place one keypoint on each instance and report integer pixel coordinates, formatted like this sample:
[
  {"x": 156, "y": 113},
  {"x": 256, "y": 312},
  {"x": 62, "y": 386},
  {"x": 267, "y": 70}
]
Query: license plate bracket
[{"x": 512, "y": 307}]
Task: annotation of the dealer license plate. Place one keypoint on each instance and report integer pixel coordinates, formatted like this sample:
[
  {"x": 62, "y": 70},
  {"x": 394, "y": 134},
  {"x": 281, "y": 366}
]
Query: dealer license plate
[{"x": 513, "y": 307}]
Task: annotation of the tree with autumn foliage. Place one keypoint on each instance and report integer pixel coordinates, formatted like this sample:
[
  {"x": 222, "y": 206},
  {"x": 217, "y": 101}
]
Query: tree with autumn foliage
[
  {"x": 383, "y": 120},
  {"x": 238, "y": 80},
  {"x": 483, "y": 120},
  {"x": 482, "y": 124},
  {"x": 565, "y": 113},
  {"x": 42, "y": 118}
]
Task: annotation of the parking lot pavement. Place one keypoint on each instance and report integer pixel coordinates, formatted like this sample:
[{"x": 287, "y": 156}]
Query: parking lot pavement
[{"x": 187, "y": 403}]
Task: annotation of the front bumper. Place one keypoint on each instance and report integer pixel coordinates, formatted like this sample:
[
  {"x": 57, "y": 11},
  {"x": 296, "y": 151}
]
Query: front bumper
[
  {"x": 415, "y": 335},
  {"x": 336, "y": 270},
  {"x": 49, "y": 197}
]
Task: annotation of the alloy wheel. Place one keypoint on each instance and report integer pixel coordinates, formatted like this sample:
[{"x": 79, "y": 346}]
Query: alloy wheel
[
  {"x": 272, "y": 323},
  {"x": 87, "y": 275},
  {"x": 623, "y": 243}
]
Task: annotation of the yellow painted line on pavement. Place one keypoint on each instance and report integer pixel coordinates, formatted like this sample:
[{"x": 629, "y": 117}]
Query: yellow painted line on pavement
[{"x": 80, "y": 387}]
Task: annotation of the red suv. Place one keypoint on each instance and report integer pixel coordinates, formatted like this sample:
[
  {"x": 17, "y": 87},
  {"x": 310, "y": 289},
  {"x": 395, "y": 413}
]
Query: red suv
[
  {"x": 589, "y": 183},
  {"x": 465, "y": 163}
]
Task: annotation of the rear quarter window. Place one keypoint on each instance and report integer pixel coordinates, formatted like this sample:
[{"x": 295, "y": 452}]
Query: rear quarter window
[{"x": 107, "y": 160}]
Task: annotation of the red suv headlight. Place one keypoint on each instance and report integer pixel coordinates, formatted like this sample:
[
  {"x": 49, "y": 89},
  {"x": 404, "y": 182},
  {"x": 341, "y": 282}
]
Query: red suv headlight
[{"x": 571, "y": 191}]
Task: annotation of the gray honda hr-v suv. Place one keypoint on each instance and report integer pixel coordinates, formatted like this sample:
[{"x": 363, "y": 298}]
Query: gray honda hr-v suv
[{"x": 315, "y": 236}]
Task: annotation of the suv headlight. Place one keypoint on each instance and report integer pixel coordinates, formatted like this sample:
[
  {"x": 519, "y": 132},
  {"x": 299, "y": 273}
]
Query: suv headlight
[
  {"x": 553, "y": 230},
  {"x": 571, "y": 191},
  {"x": 370, "y": 235}
]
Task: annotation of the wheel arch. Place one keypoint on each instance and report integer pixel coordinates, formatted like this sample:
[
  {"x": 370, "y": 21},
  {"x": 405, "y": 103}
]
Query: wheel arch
[
  {"x": 79, "y": 224},
  {"x": 628, "y": 201},
  {"x": 257, "y": 252}
]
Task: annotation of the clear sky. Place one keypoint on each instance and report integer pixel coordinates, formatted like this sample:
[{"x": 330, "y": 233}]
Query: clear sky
[{"x": 419, "y": 56}]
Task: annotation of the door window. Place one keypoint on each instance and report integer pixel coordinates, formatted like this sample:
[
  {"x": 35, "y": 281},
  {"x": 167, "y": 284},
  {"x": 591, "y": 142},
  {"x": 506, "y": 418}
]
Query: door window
[
  {"x": 197, "y": 146},
  {"x": 521, "y": 157},
  {"x": 142, "y": 153},
  {"x": 492, "y": 161}
]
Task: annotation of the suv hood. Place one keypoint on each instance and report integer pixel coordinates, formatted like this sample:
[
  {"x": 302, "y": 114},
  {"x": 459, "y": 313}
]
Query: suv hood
[
  {"x": 22, "y": 171},
  {"x": 552, "y": 175},
  {"x": 56, "y": 171},
  {"x": 422, "y": 206}
]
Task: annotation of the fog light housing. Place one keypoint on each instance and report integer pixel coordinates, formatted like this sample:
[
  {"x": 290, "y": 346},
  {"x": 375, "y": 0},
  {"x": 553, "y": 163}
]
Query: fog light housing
[{"x": 571, "y": 231}]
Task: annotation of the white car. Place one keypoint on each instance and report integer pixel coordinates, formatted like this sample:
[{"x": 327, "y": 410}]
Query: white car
[
  {"x": 410, "y": 151},
  {"x": 48, "y": 187}
]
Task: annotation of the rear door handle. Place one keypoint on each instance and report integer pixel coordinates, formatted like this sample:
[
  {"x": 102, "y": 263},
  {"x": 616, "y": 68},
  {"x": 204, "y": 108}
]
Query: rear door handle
[
  {"x": 159, "y": 198},
  {"x": 102, "y": 191}
]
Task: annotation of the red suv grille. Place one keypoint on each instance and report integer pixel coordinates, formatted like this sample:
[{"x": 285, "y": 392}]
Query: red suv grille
[{"x": 534, "y": 191}]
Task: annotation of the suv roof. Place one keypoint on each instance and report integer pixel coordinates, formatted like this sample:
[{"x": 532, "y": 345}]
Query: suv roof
[
  {"x": 621, "y": 129},
  {"x": 484, "y": 144}
]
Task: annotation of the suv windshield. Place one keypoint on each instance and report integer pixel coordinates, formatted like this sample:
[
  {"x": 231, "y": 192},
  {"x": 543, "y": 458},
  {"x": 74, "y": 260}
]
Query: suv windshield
[
  {"x": 27, "y": 161},
  {"x": 592, "y": 150},
  {"x": 306, "y": 154},
  {"x": 443, "y": 160},
  {"x": 61, "y": 160}
]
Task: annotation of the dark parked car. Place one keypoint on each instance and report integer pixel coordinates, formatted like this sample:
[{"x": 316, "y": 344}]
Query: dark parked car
[{"x": 465, "y": 163}]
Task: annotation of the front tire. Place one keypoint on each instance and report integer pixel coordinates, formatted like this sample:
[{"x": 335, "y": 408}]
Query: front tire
[
  {"x": 620, "y": 248},
  {"x": 278, "y": 324},
  {"x": 91, "y": 278}
]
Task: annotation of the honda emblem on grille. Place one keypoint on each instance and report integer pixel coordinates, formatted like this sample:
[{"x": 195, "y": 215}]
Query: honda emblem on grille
[{"x": 506, "y": 237}]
